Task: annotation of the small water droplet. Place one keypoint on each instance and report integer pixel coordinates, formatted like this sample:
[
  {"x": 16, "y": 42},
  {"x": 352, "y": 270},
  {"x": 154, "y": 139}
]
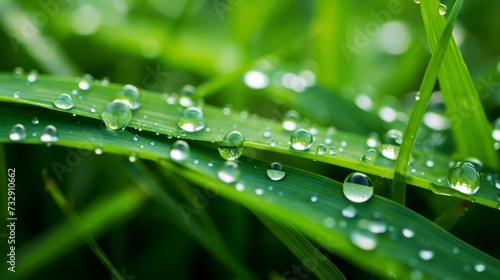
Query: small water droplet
[
  {"x": 273, "y": 143},
  {"x": 180, "y": 150},
  {"x": 290, "y": 120},
  {"x": 130, "y": 95},
  {"x": 479, "y": 267},
  {"x": 98, "y": 151},
  {"x": 301, "y": 140},
  {"x": 377, "y": 225},
  {"x": 266, "y": 133},
  {"x": 256, "y": 79},
  {"x": 231, "y": 146},
  {"x": 229, "y": 172},
  {"x": 363, "y": 239},
  {"x": 85, "y": 82},
  {"x": 429, "y": 163},
  {"x": 93, "y": 109},
  {"x": 18, "y": 71},
  {"x": 392, "y": 142},
  {"x": 192, "y": 120},
  {"x": 495, "y": 133},
  {"x": 442, "y": 9},
  {"x": 49, "y": 134},
  {"x": 239, "y": 187},
  {"x": 258, "y": 191},
  {"x": 370, "y": 157},
  {"x": 426, "y": 254},
  {"x": 416, "y": 1},
  {"x": 275, "y": 171},
  {"x": 417, "y": 96},
  {"x": 314, "y": 199},
  {"x": 329, "y": 222},
  {"x": 372, "y": 141},
  {"x": 357, "y": 187},
  {"x": 408, "y": 233},
  {"x": 321, "y": 149},
  {"x": 349, "y": 211},
  {"x": 186, "y": 96},
  {"x": 64, "y": 101},
  {"x": 34, "y": 120},
  {"x": 116, "y": 114},
  {"x": 332, "y": 151},
  {"x": 16, "y": 95},
  {"x": 32, "y": 76},
  {"x": 135, "y": 138},
  {"x": 464, "y": 177},
  {"x": 17, "y": 132}
]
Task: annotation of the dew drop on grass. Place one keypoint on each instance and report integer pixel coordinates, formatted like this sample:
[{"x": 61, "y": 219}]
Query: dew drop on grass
[
  {"x": 186, "y": 96},
  {"x": 192, "y": 120},
  {"x": 417, "y": 96},
  {"x": 34, "y": 120},
  {"x": 130, "y": 95},
  {"x": 64, "y": 101},
  {"x": 93, "y": 109},
  {"x": 426, "y": 254},
  {"x": 321, "y": 149},
  {"x": 290, "y": 120},
  {"x": 357, "y": 187},
  {"x": 116, "y": 115},
  {"x": 408, "y": 233},
  {"x": 372, "y": 141},
  {"x": 275, "y": 171},
  {"x": 363, "y": 239},
  {"x": 85, "y": 82},
  {"x": 132, "y": 157},
  {"x": 239, "y": 187},
  {"x": 229, "y": 172},
  {"x": 496, "y": 130},
  {"x": 256, "y": 79},
  {"x": 259, "y": 191},
  {"x": 349, "y": 211},
  {"x": 479, "y": 267},
  {"x": 416, "y": 1},
  {"x": 98, "y": 151},
  {"x": 18, "y": 71},
  {"x": 370, "y": 157},
  {"x": 266, "y": 133},
  {"x": 314, "y": 199},
  {"x": 49, "y": 134},
  {"x": 32, "y": 76},
  {"x": 301, "y": 140},
  {"x": 135, "y": 138},
  {"x": 442, "y": 9},
  {"x": 332, "y": 151},
  {"x": 476, "y": 162},
  {"x": 16, "y": 95},
  {"x": 17, "y": 132},
  {"x": 231, "y": 146},
  {"x": 429, "y": 163},
  {"x": 273, "y": 143},
  {"x": 392, "y": 143},
  {"x": 180, "y": 150},
  {"x": 464, "y": 177}
]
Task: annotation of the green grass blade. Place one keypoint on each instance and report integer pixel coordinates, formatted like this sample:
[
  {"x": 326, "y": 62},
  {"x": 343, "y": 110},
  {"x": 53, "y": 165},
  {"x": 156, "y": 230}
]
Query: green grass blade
[
  {"x": 470, "y": 127},
  {"x": 451, "y": 216},
  {"x": 417, "y": 114}
]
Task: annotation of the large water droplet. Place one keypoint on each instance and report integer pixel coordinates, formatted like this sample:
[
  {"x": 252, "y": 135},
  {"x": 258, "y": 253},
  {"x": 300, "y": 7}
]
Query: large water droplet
[
  {"x": 290, "y": 120},
  {"x": 64, "y": 101},
  {"x": 392, "y": 142},
  {"x": 85, "y": 82},
  {"x": 130, "y": 95},
  {"x": 275, "y": 171},
  {"x": 229, "y": 172},
  {"x": 442, "y": 9},
  {"x": 49, "y": 134},
  {"x": 116, "y": 114},
  {"x": 231, "y": 146},
  {"x": 370, "y": 157},
  {"x": 301, "y": 140},
  {"x": 363, "y": 239},
  {"x": 358, "y": 187},
  {"x": 186, "y": 96},
  {"x": 180, "y": 150},
  {"x": 426, "y": 254},
  {"x": 416, "y": 1},
  {"x": 464, "y": 177},
  {"x": 17, "y": 132},
  {"x": 192, "y": 120}
]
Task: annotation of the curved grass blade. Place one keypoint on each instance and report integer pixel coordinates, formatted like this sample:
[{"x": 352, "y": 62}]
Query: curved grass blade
[
  {"x": 470, "y": 127},
  {"x": 375, "y": 230},
  {"x": 417, "y": 114}
]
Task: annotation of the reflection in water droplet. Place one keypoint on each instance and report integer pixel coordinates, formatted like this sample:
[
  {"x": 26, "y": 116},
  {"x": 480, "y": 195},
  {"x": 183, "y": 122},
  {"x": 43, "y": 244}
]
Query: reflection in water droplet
[
  {"x": 17, "y": 132},
  {"x": 34, "y": 120},
  {"x": 192, "y": 120},
  {"x": 370, "y": 157},
  {"x": 63, "y": 101},
  {"x": 275, "y": 171},
  {"x": 229, "y": 172},
  {"x": 256, "y": 79},
  {"x": 32, "y": 76},
  {"x": 357, "y": 187},
  {"x": 301, "y": 140},
  {"x": 259, "y": 191},
  {"x": 116, "y": 115},
  {"x": 479, "y": 267},
  {"x": 130, "y": 95},
  {"x": 314, "y": 198},
  {"x": 231, "y": 146},
  {"x": 464, "y": 177},
  {"x": 273, "y": 143},
  {"x": 180, "y": 150},
  {"x": 321, "y": 149},
  {"x": 392, "y": 142}
]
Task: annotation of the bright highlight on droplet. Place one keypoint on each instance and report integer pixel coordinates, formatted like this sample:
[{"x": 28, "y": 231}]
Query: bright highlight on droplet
[
  {"x": 229, "y": 172},
  {"x": 301, "y": 140},
  {"x": 256, "y": 79},
  {"x": 49, "y": 134}
]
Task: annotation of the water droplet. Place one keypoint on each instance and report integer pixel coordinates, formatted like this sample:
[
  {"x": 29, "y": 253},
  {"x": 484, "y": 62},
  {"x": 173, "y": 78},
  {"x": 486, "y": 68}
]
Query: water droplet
[
  {"x": 130, "y": 95},
  {"x": 135, "y": 138},
  {"x": 273, "y": 143},
  {"x": 18, "y": 71},
  {"x": 496, "y": 129},
  {"x": 417, "y": 96},
  {"x": 479, "y": 267},
  {"x": 442, "y": 9},
  {"x": 301, "y": 140},
  {"x": 32, "y": 76},
  {"x": 49, "y": 134},
  {"x": 231, "y": 146},
  {"x": 116, "y": 114},
  {"x": 16, "y": 95},
  {"x": 275, "y": 171},
  {"x": 332, "y": 151},
  {"x": 321, "y": 149},
  {"x": 314, "y": 198},
  {"x": 98, "y": 151},
  {"x": 34, "y": 120},
  {"x": 152, "y": 143},
  {"x": 257, "y": 191},
  {"x": 132, "y": 157},
  {"x": 416, "y": 1},
  {"x": 186, "y": 96},
  {"x": 239, "y": 187},
  {"x": 357, "y": 187},
  {"x": 64, "y": 101},
  {"x": 17, "y": 132},
  {"x": 229, "y": 172},
  {"x": 192, "y": 120},
  {"x": 93, "y": 109},
  {"x": 408, "y": 233},
  {"x": 349, "y": 211},
  {"x": 436, "y": 121},
  {"x": 363, "y": 239},
  {"x": 290, "y": 120},
  {"x": 256, "y": 79},
  {"x": 429, "y": 163},
  {"x": 370, "y": 157},
  {"x": 392, "y": 142},
  {"x": 266, "y": 133},
  {"x": 426, "y": 254},
  {"x": 476, "y": 162},
  {"x": 372, "y": 141},
  {"x": 377, "y": 225},
  {"x": 180, "y": 150},
  {"x": 85, "y": 82},
  {"x": 464, "y": 178}
]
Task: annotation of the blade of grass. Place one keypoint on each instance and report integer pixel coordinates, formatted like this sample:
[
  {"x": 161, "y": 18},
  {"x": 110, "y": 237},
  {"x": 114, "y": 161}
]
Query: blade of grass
[
  {"x": 451, "y": 216},
  {"x": 470, "y": 127},
  {"x": 417, "y": 114},
  {"x": 60, "y": 199}
]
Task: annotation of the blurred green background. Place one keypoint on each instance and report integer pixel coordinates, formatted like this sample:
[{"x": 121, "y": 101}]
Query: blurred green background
[{"x": 351, "y": 57}]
